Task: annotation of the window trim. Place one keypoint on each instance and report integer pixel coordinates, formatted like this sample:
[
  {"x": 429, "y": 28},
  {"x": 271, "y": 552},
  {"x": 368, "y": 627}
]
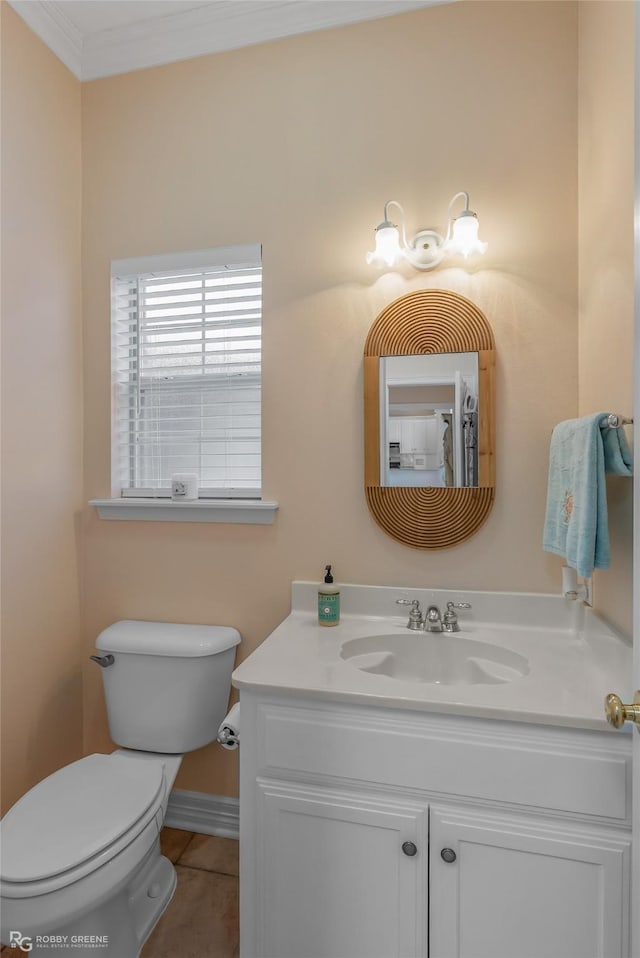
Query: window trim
[
  {"x": 247, "y": 511},
  {"x": 229, "y": 506}
]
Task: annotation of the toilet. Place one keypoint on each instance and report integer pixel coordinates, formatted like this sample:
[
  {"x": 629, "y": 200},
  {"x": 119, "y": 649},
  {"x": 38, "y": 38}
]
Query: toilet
[{"x": 81, "y": 871}]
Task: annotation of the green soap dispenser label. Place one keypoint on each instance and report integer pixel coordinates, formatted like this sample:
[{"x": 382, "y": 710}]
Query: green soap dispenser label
[{"x": 328, "y": 608}]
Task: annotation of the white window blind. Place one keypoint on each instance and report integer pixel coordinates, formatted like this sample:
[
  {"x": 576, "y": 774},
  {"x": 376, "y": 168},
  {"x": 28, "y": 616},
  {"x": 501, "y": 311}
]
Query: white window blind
[{"x": 186, "y": 333}]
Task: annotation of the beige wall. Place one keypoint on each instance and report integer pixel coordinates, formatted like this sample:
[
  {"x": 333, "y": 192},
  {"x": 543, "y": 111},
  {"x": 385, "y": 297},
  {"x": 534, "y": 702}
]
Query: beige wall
[
  {"x": 297, "y": 144},
  {"x": 41, "y": 403},
  {"x": 606, "y": 190}
]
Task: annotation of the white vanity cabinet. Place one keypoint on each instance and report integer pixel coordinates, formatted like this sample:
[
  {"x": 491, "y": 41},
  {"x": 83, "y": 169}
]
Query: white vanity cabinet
[
  {"x": 333, "y": 877},
  {"x": 516, "y": 888},
  {"x": 377, "y": 833}
]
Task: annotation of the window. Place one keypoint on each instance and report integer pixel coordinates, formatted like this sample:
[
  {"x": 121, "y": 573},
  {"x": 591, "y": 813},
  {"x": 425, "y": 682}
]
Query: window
[{"x": 186, "y": 359}]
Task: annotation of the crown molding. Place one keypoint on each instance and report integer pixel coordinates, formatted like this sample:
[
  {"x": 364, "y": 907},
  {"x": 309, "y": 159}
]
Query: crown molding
[
  {"x": 54, "y": 28},
  {"x": 209, "y": 28}
]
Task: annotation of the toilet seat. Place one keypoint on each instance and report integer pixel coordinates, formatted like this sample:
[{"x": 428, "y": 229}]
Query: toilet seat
[{"x": 76, "y": 820}]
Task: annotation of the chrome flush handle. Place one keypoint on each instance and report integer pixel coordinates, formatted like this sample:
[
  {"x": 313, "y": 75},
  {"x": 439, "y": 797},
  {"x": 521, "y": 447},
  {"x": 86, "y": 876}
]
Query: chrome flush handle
[{"x": 103, "y": 660}]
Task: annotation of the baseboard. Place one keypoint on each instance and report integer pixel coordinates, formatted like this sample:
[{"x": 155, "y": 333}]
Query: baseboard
[{"x": 207, "y": 814}]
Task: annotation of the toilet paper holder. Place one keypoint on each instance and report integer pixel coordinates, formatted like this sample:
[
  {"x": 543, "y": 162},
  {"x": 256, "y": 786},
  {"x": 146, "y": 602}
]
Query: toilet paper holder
[
  {"x": 229, "y": 730},
  {"x": 227, "y": 736}
]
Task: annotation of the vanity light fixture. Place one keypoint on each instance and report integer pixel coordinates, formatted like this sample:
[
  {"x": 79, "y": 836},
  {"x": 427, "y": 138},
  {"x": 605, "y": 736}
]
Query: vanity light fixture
[{"x": 427, "y": 248}]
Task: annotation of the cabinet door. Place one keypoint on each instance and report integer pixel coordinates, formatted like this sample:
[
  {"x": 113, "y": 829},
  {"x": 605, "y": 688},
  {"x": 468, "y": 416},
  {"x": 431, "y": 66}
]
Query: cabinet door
[
  {"x": 407, "y": 436},
  {"x": 334, "y": 880},
  {"x": 425, "y": 434},
  {"x": 394, "y": 432},
  {"x": 521, "y": 891}
]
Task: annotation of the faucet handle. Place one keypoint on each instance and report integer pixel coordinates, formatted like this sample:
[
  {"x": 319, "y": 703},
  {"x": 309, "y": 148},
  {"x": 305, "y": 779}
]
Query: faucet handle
[
  {"x": 415, "y": 616},
  {"x": 414, "y": 602},
  {"x": 450, "y": 618}
]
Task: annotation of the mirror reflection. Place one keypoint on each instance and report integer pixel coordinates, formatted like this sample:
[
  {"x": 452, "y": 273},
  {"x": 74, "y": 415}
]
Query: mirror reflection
[{"x": 429, "y": 420}]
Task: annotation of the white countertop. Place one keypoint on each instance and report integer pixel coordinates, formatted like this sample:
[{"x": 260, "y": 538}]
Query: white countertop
[{"x": 574, "y": 658}]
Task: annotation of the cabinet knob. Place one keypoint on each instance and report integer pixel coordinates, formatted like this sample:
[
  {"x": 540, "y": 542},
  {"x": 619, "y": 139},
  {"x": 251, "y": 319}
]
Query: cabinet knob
[
  {"x": 448, "y": 855},
  {"x": 409, "y": 849}
]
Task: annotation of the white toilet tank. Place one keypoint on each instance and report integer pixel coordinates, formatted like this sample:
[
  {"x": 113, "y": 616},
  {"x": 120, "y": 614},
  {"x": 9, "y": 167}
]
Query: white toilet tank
[{"x": 166, "y": 685}]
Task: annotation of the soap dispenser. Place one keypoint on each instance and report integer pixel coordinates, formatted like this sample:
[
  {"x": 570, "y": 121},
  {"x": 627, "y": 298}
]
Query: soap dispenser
[{"x": 328, "y": 600}]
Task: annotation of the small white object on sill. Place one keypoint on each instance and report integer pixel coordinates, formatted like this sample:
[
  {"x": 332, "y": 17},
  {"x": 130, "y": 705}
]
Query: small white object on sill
[
  {"x": 184, "y": 487},
  {"x": 248, "y": 511}
]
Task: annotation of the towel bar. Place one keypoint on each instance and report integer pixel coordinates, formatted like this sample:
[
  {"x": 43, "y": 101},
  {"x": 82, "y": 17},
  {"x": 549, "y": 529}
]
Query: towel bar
[{"x": 615, "y": 422}]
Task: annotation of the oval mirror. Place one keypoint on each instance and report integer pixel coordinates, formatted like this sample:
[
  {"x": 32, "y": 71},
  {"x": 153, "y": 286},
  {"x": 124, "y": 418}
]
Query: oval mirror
[{"x": 429, "y": 364}]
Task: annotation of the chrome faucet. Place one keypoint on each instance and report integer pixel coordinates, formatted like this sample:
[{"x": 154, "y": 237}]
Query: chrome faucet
[{"x": 433, "y": 619}]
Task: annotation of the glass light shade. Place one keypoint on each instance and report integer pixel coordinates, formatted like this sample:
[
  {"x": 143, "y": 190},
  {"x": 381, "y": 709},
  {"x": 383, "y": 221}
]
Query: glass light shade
[
  {"x": 387, "y": 245},
  {"x": 464, "y": 235}
]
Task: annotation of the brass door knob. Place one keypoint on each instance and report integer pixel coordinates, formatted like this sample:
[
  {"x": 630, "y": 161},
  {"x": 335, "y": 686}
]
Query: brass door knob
[{"x": 617, "y": 713}]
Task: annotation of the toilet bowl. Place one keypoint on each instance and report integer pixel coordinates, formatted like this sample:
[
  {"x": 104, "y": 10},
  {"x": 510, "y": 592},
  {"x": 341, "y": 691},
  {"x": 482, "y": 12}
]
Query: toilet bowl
[{"x": 81, "y": 869}]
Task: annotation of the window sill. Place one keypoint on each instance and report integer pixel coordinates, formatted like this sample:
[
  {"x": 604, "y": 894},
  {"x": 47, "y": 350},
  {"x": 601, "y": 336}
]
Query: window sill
[{"x": 254, "y": 512}]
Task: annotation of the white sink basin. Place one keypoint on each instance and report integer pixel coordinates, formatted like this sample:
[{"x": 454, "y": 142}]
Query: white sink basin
[{"x": 434, "y": 658}]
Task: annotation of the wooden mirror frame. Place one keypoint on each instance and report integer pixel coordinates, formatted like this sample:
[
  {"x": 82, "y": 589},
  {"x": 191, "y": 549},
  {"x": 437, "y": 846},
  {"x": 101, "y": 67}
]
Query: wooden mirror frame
[{"x": 424, "y": 322}]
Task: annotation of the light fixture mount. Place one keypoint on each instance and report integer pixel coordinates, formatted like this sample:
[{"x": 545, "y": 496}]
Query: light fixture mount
[{"x": 425, "y": 250}]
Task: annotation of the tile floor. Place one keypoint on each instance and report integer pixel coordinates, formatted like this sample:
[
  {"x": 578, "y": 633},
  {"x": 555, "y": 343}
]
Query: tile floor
[{"x": 201, "y": 920}]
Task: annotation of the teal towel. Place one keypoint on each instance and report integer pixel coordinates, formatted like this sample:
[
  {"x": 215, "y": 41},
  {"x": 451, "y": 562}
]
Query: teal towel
[{"x": 576, "y": 526}]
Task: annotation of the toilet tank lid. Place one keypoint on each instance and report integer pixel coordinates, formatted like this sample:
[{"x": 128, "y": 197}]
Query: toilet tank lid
[{"x": 167, "y": 638}]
